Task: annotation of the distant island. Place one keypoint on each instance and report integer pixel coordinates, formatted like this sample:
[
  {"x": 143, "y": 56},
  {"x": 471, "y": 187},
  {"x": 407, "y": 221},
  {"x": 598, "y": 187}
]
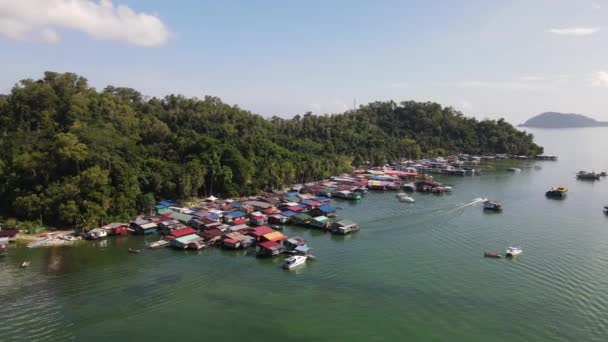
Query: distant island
[{"x": 562, "y": 120}]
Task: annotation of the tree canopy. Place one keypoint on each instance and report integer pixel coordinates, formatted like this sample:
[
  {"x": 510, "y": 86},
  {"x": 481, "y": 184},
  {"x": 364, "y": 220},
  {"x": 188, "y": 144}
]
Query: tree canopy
[{"x": 72, "y": 156}]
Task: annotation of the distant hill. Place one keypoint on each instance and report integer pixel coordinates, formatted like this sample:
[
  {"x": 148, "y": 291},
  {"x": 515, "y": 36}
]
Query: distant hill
[{"x": 561, "y": 120}]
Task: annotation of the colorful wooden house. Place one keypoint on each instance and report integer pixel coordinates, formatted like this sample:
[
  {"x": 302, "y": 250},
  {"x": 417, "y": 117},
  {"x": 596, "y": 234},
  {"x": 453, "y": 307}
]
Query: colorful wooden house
[
  {"x": 269, "y": 248},
  {"x": 143, "y": 227},
  {"x": 321, "y": 222}
]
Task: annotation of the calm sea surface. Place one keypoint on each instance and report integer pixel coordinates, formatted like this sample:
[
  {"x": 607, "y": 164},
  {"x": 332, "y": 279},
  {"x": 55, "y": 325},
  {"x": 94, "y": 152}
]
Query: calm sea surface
[{"x": 414, "y": 272}]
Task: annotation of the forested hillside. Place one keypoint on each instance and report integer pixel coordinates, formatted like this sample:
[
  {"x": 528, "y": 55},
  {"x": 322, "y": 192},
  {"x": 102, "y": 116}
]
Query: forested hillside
[{"x": 71, "y": 155}]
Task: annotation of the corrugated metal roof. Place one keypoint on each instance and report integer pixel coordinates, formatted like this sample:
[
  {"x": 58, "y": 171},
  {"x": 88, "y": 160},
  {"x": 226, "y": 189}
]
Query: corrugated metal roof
[
  {"x": 302, "y": 216},
  {"x": 181, "y": 217},
  {"x": 288, "y": 213},
  {"x": 327, "y": 208},
  {"x": 274, "y": 236},
  {"x": 269, "y": 244},
  {"x": 187, "y": 238},
  {"x": 235, "y": 214},
  {"x": 183, "y": 232},
  {"x": 262, "y": 230}
]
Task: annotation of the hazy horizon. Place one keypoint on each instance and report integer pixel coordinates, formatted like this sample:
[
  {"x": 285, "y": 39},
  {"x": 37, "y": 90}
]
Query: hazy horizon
[{"x": 513, "y": 59}]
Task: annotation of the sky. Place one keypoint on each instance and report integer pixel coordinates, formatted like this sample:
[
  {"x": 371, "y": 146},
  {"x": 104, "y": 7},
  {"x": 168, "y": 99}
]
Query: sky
[{"x": 489, "y": 59}]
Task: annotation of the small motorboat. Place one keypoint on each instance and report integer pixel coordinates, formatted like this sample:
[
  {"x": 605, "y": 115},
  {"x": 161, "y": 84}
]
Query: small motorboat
[
  {"x": 492, "y": 255},
  {"x": 513, "y": 251},
  {"x": 582, "y": 175},
  {"x": 606, "y": 209},
  {"x": 294, "y": 261},
  {"x": 603, "y": 174},
  {"x": 492, "y": 205},
  {"x": 448, "y": 188},
  {"x": 134, "y": 250},
  {"x": 559, "y": 192},
  {"x": 25, "y": 264},
  {"x": 513, "y": 169},
  {"x": 403, "y": 197}
]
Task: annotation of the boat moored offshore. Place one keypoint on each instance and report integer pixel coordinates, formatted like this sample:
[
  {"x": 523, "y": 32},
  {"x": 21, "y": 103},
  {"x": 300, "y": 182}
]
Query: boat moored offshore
[
  {"x": 513, "y": 251},
  {"x": 582, "y": 175},
  {"x": 492, "y": 205},
  {"x": 403, "y": 197},
  {"x": 294, "y": 261},
  {"x": 559, "y": 192}
]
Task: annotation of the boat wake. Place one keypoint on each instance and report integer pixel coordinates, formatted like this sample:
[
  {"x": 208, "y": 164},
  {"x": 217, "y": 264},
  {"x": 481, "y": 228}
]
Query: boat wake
[{"x": 467, "y": 204}]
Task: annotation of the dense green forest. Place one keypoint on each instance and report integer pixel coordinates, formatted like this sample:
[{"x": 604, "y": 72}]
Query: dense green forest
[{"x": 71, "y": 155}]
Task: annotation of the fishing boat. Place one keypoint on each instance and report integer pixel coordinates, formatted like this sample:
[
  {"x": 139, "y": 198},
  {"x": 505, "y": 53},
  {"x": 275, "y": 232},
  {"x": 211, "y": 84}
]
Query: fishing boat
[
  {"x": 559, "y": 192},
  {"x": 276, "y": 227},
  {"x": 513, "y": 169},
  {"x": 582, "y": 175},
  {"x": 513, "y": 251},
  {"x": 25, "y": 264},
  {"x": 134, "y": 250},
  {"x": 606, "y": 209},
  {"x": 158, "y": 244},
  {"x": 294, "y": 261},
  {"x": 492, "y": 255},
  {"x": 492, "y": 205},
  {"x": 603, "y": 174}
]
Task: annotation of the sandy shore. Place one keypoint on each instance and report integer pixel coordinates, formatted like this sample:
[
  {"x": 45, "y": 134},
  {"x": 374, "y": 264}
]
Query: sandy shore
[{"x": 29, "y": 238}]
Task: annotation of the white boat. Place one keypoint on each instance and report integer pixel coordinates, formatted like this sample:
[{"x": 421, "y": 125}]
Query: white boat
[
  {"x": 294, "y": 261},
  {"x": 158, "y": 244},
  {"x": 403, "y": 197},
  {"x": 513, "y": 169},
  {"x": 448, "y": 188},
  {"x": 513, "y": 251}
]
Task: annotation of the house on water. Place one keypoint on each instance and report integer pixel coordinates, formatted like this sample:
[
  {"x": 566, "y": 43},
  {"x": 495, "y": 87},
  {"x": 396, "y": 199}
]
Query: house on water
[
  {"x": 143, "y": 227},
  {"x": 269, "y": 248},
  {"x": 321, "y": 222},
  {"x": 324, "y": 210},
  {"x": 183, "y": 241},
  {"x": 293, "y": 242},
  {"x": 344, "y": 227},
  {"x": 116, "y": 228}
]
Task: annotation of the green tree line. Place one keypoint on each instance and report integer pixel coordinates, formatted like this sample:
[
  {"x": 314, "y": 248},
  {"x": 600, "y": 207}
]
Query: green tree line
[{"x": 72, "y": 156}]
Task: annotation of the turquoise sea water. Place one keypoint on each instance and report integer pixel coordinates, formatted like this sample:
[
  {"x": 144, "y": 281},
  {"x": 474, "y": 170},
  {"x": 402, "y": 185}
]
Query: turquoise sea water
[{"x": 414, "y": 272}]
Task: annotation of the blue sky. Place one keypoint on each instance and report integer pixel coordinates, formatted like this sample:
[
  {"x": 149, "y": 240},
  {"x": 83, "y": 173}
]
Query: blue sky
[{"x": 490, "y": 59}]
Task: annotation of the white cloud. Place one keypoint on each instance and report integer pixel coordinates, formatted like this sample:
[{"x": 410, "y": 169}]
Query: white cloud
[
  {"x": 42, "y": 20},
  {"x": 595, "y": 6},
  {"x": 600, "y": 79},
  {"x": 401, "y": 85},
  {"x": 502, "y": 85},
  {"x": 530, "y": 78},
  {"x": 574, "y": 31}
]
